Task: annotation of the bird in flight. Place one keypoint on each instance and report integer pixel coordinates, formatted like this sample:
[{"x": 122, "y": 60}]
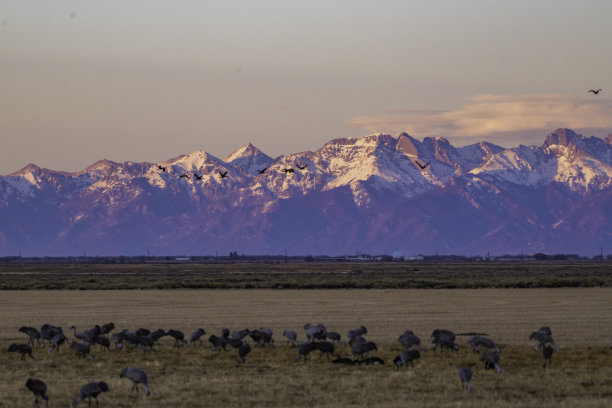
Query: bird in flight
[
  {"x": 595, "y": 92},
  {"x": 223, "y": 175},
  {"x": 184, "y": 175},
  {"x": 197, "y": 177},
  {"x": 289, "y": 170},
  {"x": 262, "y": 171},
  {"x": 162, "y": 168},
  {"x": 422, "y": 166},
  {"x": 301, "y": 167}
]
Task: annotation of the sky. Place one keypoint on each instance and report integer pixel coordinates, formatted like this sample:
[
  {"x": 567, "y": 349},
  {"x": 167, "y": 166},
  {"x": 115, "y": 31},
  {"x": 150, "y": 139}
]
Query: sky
[{"x": 149, "y": 80}]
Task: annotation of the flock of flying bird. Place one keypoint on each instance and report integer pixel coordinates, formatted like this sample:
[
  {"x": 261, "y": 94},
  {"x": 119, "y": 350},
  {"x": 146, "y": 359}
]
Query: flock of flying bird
[
  {"x": 223, "y": 174},
  {"x": 290, "y": 170},
  {"x": 286, "y": 170},
  {"x": 318, "y": 338}
]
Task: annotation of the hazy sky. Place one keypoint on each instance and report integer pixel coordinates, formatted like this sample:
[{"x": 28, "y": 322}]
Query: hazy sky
[{"x": 149, "y": 80}]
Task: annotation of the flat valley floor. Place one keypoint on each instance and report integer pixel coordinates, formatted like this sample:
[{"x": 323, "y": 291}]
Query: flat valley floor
[{"x": 580, "y": 319}]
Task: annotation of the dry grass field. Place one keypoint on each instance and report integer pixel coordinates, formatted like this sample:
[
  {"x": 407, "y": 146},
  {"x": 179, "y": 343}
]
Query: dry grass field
[
  {"x": 580, "y": 318},
  {"x": 305, "y": 275}
]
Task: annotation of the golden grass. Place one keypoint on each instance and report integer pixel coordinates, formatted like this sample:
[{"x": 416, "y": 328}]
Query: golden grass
[{"x": 581, "y": 320}]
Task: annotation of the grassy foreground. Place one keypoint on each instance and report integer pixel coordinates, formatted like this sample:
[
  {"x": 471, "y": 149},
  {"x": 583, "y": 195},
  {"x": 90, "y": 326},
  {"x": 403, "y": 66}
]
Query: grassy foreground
[{"x": 581, "y": 374}]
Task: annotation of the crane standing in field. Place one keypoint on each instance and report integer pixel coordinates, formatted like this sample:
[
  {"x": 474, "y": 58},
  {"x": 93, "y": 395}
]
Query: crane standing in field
[
  {"x": 89, "y": 390},
  {"x": 465, "y": 375},
  {"x": 138, "y": 377},
  {"x": 38, "y": 388}
]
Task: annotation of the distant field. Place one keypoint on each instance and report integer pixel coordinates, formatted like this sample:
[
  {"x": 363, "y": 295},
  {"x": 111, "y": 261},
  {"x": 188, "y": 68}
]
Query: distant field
[
  {"x": 340, "y": 275},
  {"x": 580, "y": 318}
]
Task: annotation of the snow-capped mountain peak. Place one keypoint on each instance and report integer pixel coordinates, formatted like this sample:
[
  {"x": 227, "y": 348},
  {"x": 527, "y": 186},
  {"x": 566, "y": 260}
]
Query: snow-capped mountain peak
[
  {"x": 378, "y": 193},
  {"x": 249, "y": 158}
]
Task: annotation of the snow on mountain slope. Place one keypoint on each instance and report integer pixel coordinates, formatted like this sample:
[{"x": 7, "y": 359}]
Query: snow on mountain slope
[
  {"x": 249, "y": 158},
  {"x": 563, "y": 158},
  {"x": 365, "y": 193}
]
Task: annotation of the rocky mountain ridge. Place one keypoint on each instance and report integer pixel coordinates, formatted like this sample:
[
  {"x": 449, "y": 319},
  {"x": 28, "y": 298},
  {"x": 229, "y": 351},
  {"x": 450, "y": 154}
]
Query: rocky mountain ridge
[{"x": 366, "y": 194}]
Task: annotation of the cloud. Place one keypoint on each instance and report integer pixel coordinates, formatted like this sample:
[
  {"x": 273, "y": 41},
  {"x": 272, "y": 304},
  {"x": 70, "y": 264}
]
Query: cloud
[{"x": 501, "y": 119}]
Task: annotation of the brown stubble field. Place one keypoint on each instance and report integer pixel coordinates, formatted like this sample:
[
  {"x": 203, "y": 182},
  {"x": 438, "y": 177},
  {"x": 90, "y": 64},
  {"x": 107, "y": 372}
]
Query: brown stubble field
[
  {"x": 580, "y": 318},
  {"x": 92, "y": 274}
]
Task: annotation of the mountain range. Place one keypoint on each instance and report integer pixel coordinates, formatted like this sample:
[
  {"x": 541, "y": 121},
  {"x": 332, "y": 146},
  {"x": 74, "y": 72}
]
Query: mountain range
[{"x": 364, "y": 194}]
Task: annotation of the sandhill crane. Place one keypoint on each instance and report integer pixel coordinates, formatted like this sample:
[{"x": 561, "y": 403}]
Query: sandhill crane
[
  {"x": 543, "y": 336},
  {"x": 144, "y": 342},
  {"x": 547, "y": 352},
  {"x": 355, "y": 333},
  {"x": 491, "y": 360},
  {"x": 47, "y": 332},
  {"x": 195, "y": 336},
  {"x": 262, "y": 171},
  {"x": 362, "y": 348},
  {"x": 595, "y": 91},
  {"x": 178, "y": 336},
  {"x": 234, "y": 342},
  {"x": 243, "y": 350},
  {"x": 162, "y": 168},
  {"x": 92, "y": 389},
  {"x": 197, "y": 177},
  {"x": 315, "y": 332},
  {"x": 217, "y": 343},
  {"x": 117, "y": 338},
  {"x": 445, "y": 339},
  {"x": 38, "y": 388},
  {"x": 304, "y": 349},
  {"x": 79, "y": 336},
  {"x": 409, "y": 340},
  {"x": 138, "y": 377},
  {"x": 476, "y": 341},
  {"x": 107, "y": 328},
  {"x": 88, "y": 335},
  {"x": 327, "y": 348},
  {"x": 291, "y": 336},
  {"x": 465, "y": 375},
  {"x": 422, "y": 166},
  {"x": 301, "y": 167},
  {"x": 223, "y": 175},
  {"x": 334, "y": 336},
  {"x": 406, "y": 356},
  {"x": 184, "y": 176},
  {"x": 82, "y": 349},
  {"x": 262, "y": 336},
  {"x": 22, "y": 349},
  {"x": 56, "y": 342},
  {"x": 142, "y": 332},
  {"x": 236, "y": 334},
  {"x": 288, "y": 170},
  {"x": 102, "y": 341},
  {"x": 127, "y": 337},
  {"x": 157, "y": 334},
  {"x": 31, "y": 332}
]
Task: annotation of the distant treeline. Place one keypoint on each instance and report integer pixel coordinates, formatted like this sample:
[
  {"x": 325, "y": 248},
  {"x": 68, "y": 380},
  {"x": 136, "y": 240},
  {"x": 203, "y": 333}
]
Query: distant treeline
[{"x": 234, "y": 257}]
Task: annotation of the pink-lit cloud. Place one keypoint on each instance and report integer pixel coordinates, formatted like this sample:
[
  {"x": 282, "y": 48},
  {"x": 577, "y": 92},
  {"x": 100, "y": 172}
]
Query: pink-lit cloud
[{"x": 501, "y": 119}]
